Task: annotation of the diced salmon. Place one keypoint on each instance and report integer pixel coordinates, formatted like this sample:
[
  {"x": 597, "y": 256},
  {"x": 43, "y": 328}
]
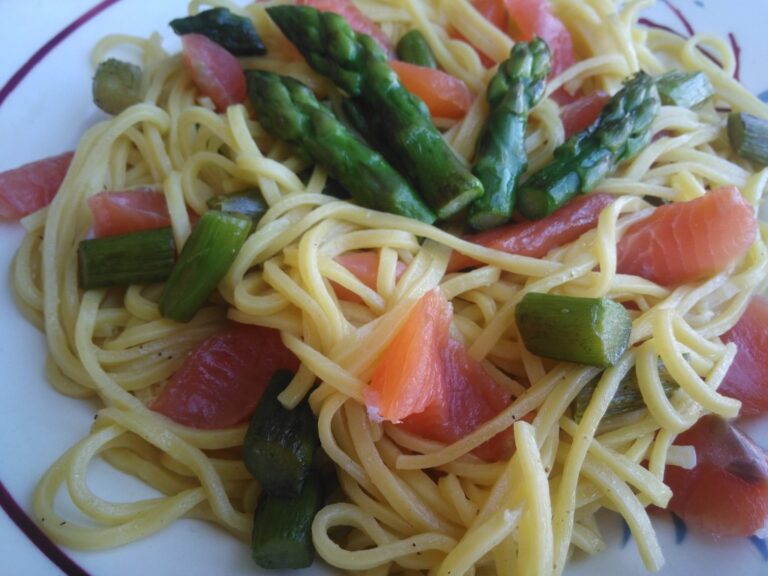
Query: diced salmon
[
  {"x": 407, "y": 375},
  {"x": 726, "y": 494},
  {"x": 428, "y": 383},
  {"x": 747, "y": 378},
  {"x": 28, "y": 188},
  {"x": 581, "y": 114},
  {"x": 536, "y": 18},
  {"x": 222, "y": 380},
  {"x": 365, "y": 266},
  {"x": 128, "y": 211},
  {"x": 538, "y": 237},
  {"x": 688, "y": 241},
  {"x": 446, "y": 96},
  {"x": 216, "y": 72},
  {"x": 467, "y": 398}
]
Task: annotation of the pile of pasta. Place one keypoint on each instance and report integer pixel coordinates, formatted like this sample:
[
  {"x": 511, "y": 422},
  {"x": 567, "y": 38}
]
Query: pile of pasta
[{"x": 409, "y": 504}]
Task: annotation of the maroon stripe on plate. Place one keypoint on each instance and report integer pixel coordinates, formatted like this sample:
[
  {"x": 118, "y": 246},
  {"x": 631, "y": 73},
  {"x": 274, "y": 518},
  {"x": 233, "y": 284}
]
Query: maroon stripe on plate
[
  {"x": 27, "y": 67},
  {"x": 15, "y": 512},
  {"x": 37, "y": 536}
]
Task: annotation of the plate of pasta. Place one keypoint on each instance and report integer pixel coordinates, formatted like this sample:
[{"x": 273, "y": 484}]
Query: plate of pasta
[{"x": 384, "y": 287}]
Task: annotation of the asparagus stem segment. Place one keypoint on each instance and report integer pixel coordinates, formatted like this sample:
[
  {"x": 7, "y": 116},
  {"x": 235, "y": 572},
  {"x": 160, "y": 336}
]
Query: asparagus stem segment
[
  {"x": 230, "y": 31},
  {"x": 116, "y": 86},
  {"x": 686, "y": 89},
  {"x": 288, "y": 110},
  {"x": 203, "y": 262},
  {"x": 249, "y": 203},
  {"x": 749, "y": 137},
  {"x": 627, "y": 398},
  {"x": 282, "y": 527},
  {"x": 621, "y": 131},
  {"x": 501, "y": 156},
  {"x": 280, "y": 443},
  {"x": 134, "y": 258},
  {"x": 400, "y": 120},
  {"x": 412, "y": 47},
  {"x": 593, "y": 331}
]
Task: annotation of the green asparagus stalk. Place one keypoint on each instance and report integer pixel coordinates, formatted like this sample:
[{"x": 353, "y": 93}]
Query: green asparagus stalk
[
  {"x": 289, "y": 110},
  {"x": 501, "y": 156},
  {"x": 280, "y": 444},
  {"x": 593, "y": 331},
  {"x": 282, "y": 527},
  {"x": 234, "y": 33},
  {"x": 412, "y": 47},
  {"x": 686, "y": 89},
  {"x": 203, "y": 262},
  {"x": 116, "y": 86},
  {"x": 749, "y": 137},
  {"x": 401, "y": 121},
  {"x": 249, "y": 203},
  {"x": 621, "y": 131},
  {"x": 627, "y": 398},
  {"x": 134, "y": 258}
]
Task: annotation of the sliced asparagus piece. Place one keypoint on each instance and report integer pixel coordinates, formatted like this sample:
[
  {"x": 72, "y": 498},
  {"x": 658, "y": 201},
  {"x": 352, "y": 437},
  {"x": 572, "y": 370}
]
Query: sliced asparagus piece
[
  {"x": 749, "y": 137},
  {"x": 203, "y": 262},
  {"x": 686, "y": 89},
  {"x": 593, "y": 331},
  {"x": 135, "y": 258}
]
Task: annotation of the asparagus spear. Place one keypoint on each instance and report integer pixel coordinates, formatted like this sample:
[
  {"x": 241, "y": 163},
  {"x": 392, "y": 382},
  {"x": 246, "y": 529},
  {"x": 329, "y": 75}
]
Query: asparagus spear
[
  {"x": 412, "y": 47},
  {"x": 234, "y": 33},
  {"x": 627, "y": 398},
  {"x": 289, "y": 110},
  {"x": 501, "y": 156},
  {"x": 621, "y": 131},
  {"x": 401, "y": 121},
  {"x": 593, "y": 331}
]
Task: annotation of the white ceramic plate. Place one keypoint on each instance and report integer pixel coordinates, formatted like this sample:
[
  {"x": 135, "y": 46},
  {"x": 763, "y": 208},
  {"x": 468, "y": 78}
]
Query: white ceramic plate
[{"x": 44, "y": 114}]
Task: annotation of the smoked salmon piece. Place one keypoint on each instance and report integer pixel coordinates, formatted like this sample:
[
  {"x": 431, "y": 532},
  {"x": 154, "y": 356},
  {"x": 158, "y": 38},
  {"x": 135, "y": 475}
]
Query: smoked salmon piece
[
  {"x": 407, "y": 374},
  {"x": 216, "y": 72},
  {"x": 537, "y": 237},
  {"x": 446, "y": 96},
  {"x": 128, "y": 211},
  {"x": 222, "y": 380},
  {"x": 28, "y": 188},
  {"x": 726, "y": 494},
  {"x": 536, "y": 18},
  {"x": 428, "y": 384},
  {"x": 582, "y": 113},
  {"x": 365, "y": 266},
  {"x": 688, "y": 241},
  {"x": 747, "y": 378}
]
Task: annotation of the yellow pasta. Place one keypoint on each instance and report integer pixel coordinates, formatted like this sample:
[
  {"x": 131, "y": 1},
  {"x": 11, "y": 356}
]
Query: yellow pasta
[{"x": 410, "y": 503}]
